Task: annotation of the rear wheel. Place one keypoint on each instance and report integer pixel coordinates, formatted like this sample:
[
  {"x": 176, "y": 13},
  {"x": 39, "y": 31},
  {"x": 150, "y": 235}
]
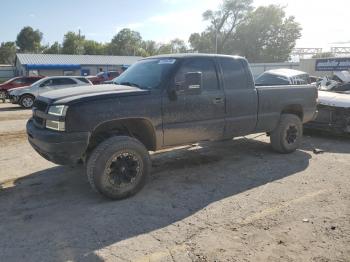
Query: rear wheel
[
  {"x": 118, "y": 167},
  {"x": 27, "y": 101},
  {"x": 286, "y": 138}
]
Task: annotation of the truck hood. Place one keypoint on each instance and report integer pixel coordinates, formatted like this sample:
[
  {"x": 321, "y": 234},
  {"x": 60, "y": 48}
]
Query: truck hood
[
  {"x": 334, "y": 99},
  {"x": 90, "y": 92}
]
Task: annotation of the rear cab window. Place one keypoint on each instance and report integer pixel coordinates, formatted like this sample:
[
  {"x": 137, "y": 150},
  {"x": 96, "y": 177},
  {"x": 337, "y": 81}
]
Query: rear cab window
[{"x": 234, "y": 73}]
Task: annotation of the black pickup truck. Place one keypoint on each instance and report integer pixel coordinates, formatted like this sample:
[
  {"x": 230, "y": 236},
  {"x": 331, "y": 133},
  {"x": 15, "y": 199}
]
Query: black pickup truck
[{"x": 160, "y": 102}]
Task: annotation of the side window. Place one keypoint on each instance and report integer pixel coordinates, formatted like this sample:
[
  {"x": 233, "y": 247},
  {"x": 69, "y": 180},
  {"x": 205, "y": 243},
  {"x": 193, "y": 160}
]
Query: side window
[
  {"x": 46, "y": 83},
  {"x": 63, "y": 81},
  {"x": 82, "y": 79},
  {"x": 68, "y": 81},
  {"x": 203, "y": 65},
  {"x": 233, "y": 73},
  {"x": 31, "y": 80}
]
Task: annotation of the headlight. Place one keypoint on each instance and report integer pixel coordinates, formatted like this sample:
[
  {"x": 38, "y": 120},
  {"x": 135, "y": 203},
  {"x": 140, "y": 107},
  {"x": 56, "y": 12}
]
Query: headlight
[
  {"x": 58, "y": 110},
  {"x": 56, "y": 125},
  {"x": 59, "y": 124}
]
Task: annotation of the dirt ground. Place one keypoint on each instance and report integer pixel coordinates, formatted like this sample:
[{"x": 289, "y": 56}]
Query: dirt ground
[{"x": 224, "y": 201}]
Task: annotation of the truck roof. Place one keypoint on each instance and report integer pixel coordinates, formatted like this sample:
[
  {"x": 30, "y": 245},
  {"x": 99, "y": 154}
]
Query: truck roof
[{"x": 187, "y": 55}]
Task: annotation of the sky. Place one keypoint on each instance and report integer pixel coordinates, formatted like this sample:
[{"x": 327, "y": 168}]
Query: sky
[{"x": 324, "y": 23}]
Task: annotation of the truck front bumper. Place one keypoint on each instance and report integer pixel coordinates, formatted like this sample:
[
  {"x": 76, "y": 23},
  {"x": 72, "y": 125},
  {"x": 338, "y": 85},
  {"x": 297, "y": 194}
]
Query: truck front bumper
[{"x": 58, "y": 147}]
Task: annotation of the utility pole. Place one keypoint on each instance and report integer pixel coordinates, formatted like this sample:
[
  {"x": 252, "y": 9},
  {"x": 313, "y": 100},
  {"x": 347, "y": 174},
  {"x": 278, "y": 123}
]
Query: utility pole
[{"x": 216, "y": 40}]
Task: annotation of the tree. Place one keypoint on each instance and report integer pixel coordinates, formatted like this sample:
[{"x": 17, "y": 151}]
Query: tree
[
  {"x": 92, "y": 47},
  {"x": 267, "y": 35},
  {"x": 55, "y": 48},
  {"x": 223, "y": 22},
  {"x": 126, "y": 42},
  {"x": 178, "y": 46},
  {"x": 203, "y": 42},
  {"x": 150, "y": 47},
  {"x": 174, "y": 46},
  {"x": 29, "y": 40},
  {"x": 7, "y": 52},
  {"x": 73, "y": 44}
]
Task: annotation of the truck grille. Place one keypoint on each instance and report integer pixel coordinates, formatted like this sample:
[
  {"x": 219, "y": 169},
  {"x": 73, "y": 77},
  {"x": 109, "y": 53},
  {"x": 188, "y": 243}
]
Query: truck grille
[{"x": 40, "y": 105}]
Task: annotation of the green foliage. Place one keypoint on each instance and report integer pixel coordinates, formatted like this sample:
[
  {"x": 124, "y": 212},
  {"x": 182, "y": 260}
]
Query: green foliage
[
  {"x": 203, "y": 43},
  {"x": 55, "y": 48},
  {"x": 266, "y": 35},
  {"x": 262, "y": 35},
  {"x": 126, "y": 42},
  {"x": 73, "y": 44},
  {"x": 149, "y": 47},
  {"x": 7, "y": 52},
  {"x": 92, "y": 47},
  {"x": 29, "y": 40},
  {"x": 223, "y": 22}
]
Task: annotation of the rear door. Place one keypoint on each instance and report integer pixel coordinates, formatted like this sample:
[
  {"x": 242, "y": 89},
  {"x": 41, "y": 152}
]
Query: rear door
[
  {"x": 241, "y": 97},
  {"x": 194, "y": 116}
]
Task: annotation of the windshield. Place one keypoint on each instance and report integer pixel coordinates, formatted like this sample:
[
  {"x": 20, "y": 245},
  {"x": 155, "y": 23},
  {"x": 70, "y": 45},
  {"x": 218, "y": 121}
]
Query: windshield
[
  {"x": 146, "y": 74},
  {"x": 39, "y": 81}
]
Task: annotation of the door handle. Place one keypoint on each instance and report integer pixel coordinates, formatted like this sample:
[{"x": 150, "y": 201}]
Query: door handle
[{"x": 218, "y": 100}]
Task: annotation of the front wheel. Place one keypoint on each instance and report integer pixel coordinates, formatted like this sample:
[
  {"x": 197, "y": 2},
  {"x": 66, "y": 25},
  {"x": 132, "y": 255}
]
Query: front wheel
[
  {"x": 286, "y": 138},
  {"x": 118, "y": 167},
  {"x": 27, "y": 101}
]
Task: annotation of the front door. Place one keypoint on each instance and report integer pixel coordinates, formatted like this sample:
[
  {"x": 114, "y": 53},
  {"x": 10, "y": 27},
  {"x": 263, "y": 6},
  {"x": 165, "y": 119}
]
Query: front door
[{"x": 194, "y": 116}]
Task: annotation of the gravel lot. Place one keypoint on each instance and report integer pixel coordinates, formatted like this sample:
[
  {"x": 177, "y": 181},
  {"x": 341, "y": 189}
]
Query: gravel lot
[{"x": 224, "y": 201}]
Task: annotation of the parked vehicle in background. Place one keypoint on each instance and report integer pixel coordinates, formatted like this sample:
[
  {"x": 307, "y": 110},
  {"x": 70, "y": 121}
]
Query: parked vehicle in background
[
  {"x": 17, "y": 82},
  {"x": 333, "y": 113},
  {"x": 160, "y": 102},
  {"x": 282, "y": 77},
  {"x": 338, "y": 82},
  {"x": 333, "y": 97},
  {"x": 25, "y": 96},
  {"x": 102, "y": 77}
]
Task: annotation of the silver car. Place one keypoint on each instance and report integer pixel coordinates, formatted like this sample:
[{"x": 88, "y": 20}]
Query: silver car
[{"x": 25, "y": 96}]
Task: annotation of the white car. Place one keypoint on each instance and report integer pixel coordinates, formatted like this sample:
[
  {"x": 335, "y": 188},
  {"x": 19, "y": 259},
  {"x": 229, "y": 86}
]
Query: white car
[
  {"x": 25, "y": 96},
  {"x": 282, "y": 76},
  {"x": 333, "y": 113}
]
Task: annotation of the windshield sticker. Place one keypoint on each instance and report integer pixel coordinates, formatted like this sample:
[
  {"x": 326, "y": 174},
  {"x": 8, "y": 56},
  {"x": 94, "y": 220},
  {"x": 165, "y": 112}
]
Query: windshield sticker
[{"x": 167, "y": 61}]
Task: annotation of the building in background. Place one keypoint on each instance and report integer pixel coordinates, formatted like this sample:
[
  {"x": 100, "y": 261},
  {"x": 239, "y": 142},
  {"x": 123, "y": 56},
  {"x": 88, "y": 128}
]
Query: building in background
[
  {"x": 59, "y": 65},
  {"x": 6, "y": 72},
  {"x": 324, "y": 66}
]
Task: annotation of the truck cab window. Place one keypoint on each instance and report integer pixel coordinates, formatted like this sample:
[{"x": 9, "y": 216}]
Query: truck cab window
[
  {"x": 234, "y": 75},
  {"x": 205, "y": 66}
]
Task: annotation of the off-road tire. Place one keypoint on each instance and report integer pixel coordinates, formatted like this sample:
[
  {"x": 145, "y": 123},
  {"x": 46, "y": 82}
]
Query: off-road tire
[
  {"x": 23, "y": 99},
  {"x": 97, "y": 165},
  {"x": 283, "y": 139}
]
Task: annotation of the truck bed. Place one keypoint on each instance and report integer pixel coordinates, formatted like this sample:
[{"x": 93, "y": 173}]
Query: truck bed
[{"x": 272, "y": 100}]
